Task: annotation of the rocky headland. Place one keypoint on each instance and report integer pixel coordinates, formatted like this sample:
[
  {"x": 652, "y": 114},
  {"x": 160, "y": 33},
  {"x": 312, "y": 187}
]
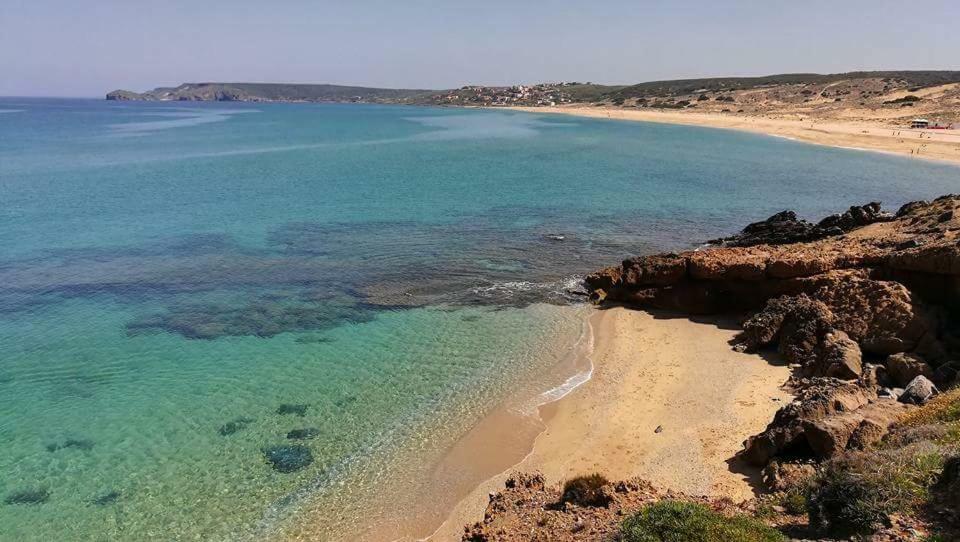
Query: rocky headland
[{"x": 863, "y": 307}]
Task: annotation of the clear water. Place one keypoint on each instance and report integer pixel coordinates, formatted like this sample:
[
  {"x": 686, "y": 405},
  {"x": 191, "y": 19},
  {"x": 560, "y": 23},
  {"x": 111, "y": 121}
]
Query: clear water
[{"x": 168, "y": 268}]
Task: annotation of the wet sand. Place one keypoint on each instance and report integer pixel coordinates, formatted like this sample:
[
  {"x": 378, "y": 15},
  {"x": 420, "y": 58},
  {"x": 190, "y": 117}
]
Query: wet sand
[
  {"x": 943, "y": 145},
  {"x": 648, "y": 371}
]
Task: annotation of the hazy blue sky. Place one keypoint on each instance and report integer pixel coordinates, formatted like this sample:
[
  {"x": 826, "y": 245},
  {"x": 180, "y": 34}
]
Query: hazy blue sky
[{"x": 88, "y": 47}]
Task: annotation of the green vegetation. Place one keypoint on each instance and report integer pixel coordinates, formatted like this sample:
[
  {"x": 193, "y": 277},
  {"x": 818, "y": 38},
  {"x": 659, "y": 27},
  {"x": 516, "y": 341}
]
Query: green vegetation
[
  {"x": 673, "y": 521},
  {"x": 857, "y": 492},
  {"x": 908, "y": 99},
  {"x": 586, "y": 490}
]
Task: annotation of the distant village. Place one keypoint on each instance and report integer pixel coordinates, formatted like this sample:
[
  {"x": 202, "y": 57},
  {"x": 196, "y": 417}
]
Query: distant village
[{"x": 544, "y": 94}]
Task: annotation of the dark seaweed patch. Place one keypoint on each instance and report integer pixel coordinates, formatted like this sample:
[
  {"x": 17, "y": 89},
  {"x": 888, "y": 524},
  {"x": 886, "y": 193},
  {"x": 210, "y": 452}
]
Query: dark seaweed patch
[
  {"x": 105, "y": 499},
  {"x": 233, "y": 426},
  {"x": 344, "y": 401},
  {"x": 28, "y": 496},
  {"x": 288, "y": 458},
  {"x": 261, "y": 318},
  {"x": 286, "y": 408},
  {"x": 309, "y": 339},
  {"x": 303, "y": 434},
  {"x": 80, "y": 444}
]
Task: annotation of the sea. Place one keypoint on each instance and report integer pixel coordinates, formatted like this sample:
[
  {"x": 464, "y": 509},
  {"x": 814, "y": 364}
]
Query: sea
[{"x": 233, "y": 321}]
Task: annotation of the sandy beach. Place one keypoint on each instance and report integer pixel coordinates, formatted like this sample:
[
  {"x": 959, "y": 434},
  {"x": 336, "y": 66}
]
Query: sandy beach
[
  {"x": 649, "y": 371},
  {"x": 941, "y": 145}
]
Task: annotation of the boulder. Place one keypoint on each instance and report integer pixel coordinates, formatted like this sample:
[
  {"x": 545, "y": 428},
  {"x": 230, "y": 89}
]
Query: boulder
[
  {"x": 798, "y": 323},
  {"x": 858, "y": 428},
  {"x": 947, "y": 373},
  {"x": 837, "y": 356},
  {"x": 818, "y": 399},
  {"x": 904, "y": 367},
  {"x": 918, "y": 391},
  {"x": 882, "y": 316}
]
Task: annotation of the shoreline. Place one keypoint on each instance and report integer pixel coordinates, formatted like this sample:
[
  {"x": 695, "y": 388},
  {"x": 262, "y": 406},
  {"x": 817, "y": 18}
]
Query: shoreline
[
  {"x": 706, "y": 397},
  {"x": 931, "y": 145}
]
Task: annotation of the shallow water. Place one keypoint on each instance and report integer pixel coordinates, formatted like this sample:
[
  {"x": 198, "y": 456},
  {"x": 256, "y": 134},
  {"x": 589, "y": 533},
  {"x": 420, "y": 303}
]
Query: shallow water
[{"x": 167, "y": 269}]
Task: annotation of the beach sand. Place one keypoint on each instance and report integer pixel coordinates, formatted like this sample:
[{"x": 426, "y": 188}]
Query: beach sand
[
  {"x": 649, "y": 371},
  {"x": 941, "y": 145}
]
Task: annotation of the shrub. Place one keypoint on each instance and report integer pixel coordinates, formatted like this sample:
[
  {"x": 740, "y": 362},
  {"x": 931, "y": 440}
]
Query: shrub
[
  {"x": 858, "y": 492},
  {"x": 586, "y": 490},
  {"x": 674, "y": 521},
  {"x": 909, "y": 98},
  {"x": 795, "y": 502}
]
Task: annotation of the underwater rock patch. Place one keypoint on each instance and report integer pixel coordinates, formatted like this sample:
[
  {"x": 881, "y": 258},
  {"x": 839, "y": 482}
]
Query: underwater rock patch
[
  {"x": 264, "y": 317},
  {"x": 288, "y": 458},
  {"x": 106, "y": 499},
  {"x": 344, "y": 401},
  {"x": 286, "y": 408},
  {"x": 28, "y": 496},
  {"x": 303, "y": 434},
  {"x": 233, "y": 426},
  {"x": 80, "y": 444}
]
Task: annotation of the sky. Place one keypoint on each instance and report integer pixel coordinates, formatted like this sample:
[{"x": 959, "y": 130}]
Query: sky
[{"x": 90, "y": 47}]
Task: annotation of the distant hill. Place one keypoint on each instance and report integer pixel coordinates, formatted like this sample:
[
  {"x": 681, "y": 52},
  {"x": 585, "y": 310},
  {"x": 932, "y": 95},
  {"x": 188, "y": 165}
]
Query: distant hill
[
  {"x": 721, "y": 84},
  {"x": 274, "y": 92},
  {"x": 660, "y": 92}
]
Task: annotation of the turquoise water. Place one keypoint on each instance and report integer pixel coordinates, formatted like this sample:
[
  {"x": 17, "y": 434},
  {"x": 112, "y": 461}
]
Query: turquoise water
[{"x": 168, "y": 268}]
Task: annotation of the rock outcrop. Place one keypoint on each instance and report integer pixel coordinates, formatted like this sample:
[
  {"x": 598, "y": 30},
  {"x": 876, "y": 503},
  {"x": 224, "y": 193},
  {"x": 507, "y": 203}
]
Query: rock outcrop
[
  {"x": 859, "y": 286},
  {"x": 530, "y": 510},
  {"x": 785, "y": 228}
]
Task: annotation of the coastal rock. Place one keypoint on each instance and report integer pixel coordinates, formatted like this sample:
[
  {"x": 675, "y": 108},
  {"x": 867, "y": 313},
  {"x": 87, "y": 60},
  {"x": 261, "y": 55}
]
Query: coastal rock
[
  {"x": 858, "y": 428},
  {"x": 785, "y": 228},
  {"x": 855, "y": 217},
  {"x": 904, "y": 367},
  {"x": 526, "y": 510},
  {"x": 838, "y": 356},
  {"x": 288, "y": 458},
  {"x": 882, "y": 316},
  {"x": 819, "y": 399},
  {"x": 918, "y": 391},
  {"x": 797, "y": 323}
]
